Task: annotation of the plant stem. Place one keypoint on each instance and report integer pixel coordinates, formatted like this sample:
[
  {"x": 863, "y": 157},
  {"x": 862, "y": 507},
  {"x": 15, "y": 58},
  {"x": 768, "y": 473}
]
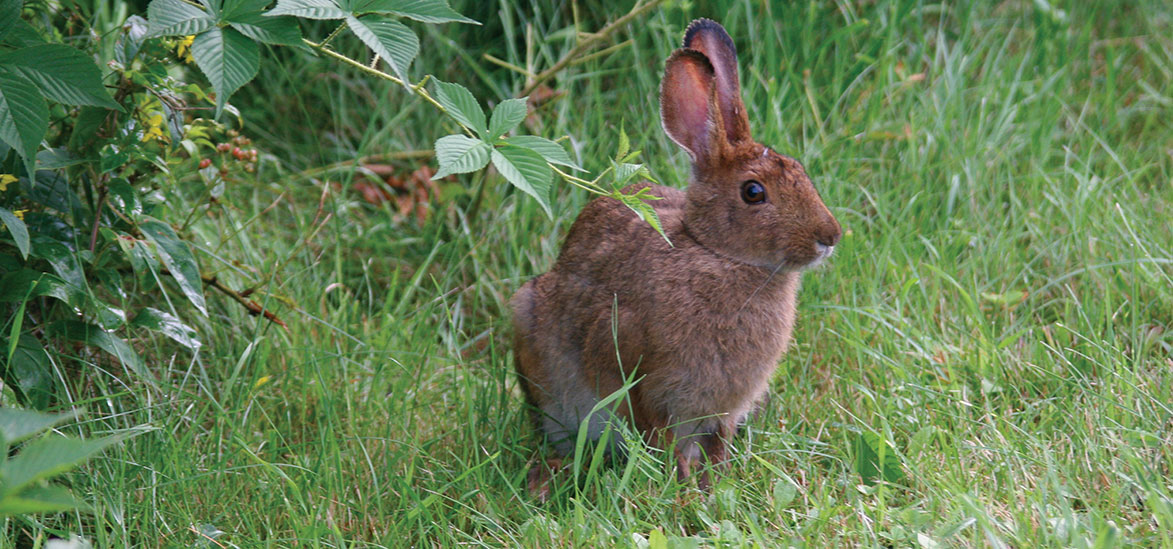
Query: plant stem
[
  {"x": 418, "y": 89},
  {"x": 591, "y": 41},
  {"x": 332, "y": 35}
]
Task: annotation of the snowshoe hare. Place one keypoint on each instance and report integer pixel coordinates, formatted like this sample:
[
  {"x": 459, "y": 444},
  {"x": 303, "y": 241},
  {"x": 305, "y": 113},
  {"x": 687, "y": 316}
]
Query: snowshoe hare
[{"x": 703, "y": 322}]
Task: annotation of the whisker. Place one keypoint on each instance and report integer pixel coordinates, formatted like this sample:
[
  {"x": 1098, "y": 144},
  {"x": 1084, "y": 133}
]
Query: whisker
[{"x": 763, "y": 285}]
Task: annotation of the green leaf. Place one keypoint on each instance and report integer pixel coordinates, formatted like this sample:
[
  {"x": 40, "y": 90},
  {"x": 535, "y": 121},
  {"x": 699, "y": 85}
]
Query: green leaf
[
  {"x": 526, "y": 170},
  {"x": 228, "y": 59},
  {"x": 124, "y": 198},
  {"x": 39, "y": 499},
  {"x": 624, "y": 143},
  {"x": 48, "y": 456},
  {"x": 460, "y": 154},
  {"x": 178, "y": 259},
  {"x": 176, "y": 18},
  {"x": 636, "y": 203},
  {"x": 462, "y": 106},
  {"x": 9, "y": 16},
  {"x": 282, "y": 31},
  {"x": 112, "y": 157},
  {"x": 60, "y": 258},
  {"x": 426, "y": 11},
  {"x": 85, "y": 128},
  {"x": 31, "y": 371},
  {"x": 392, "y": 40},
  {"x": 622, "y": 173},
  {"x": 23, "y": 34},
  {"x": 875, "y": 459},
  {"x": 134, "y": 33},
  {"x": 656, "y": 540},
  {"x": 24, "y": 117},
  {"x": 229, "y": 10},
  {"x": 89, "y": 334},
  {"x": 55, "y": 159},
  {"x": 25, "y": 284},
  {"x": 17, "y": 425},
  {"x": 506, "y": 116},
  {"x": 550, "y": 150},
  {"x": 63, "y": 74},
  {"x": 308, "y": 9},
  {"x": 162, "y": 322},
  {"x": 18, "y": 230}
]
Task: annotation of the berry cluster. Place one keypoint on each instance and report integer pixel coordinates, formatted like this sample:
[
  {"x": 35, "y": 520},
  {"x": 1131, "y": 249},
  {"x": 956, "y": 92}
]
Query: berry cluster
[{"x": 234, "y": 148}]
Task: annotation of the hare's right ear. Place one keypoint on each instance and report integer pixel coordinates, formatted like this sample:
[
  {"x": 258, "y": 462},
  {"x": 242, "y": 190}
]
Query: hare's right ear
[{"x": 688, "y": 110}]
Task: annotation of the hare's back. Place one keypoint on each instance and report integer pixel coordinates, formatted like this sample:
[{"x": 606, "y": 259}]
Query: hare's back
[{"x": 608, "y": 238}]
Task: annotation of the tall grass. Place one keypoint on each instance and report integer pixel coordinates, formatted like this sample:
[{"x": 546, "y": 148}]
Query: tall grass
[{"x": 1000, "y": 311}]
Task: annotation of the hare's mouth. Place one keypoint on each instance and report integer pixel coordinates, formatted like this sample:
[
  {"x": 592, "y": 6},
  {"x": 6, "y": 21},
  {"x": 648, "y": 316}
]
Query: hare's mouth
[{"x": 822, "y": 252}]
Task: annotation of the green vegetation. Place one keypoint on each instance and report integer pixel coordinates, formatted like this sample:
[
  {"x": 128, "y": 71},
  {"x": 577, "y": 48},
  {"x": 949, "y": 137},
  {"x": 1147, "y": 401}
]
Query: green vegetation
[{"x": 986, "y": 360}]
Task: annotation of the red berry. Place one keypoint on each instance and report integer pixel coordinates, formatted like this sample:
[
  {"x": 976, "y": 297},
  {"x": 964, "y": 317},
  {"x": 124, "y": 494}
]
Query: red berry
[
  {"x": 237, "y": 153},
  {"x": 223, "y": 147},
  {"x": 205, "y": 162}
]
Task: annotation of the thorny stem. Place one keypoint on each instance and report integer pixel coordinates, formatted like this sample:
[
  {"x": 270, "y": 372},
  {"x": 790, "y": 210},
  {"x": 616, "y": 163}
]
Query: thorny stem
[{"x": 332, "y": 35}]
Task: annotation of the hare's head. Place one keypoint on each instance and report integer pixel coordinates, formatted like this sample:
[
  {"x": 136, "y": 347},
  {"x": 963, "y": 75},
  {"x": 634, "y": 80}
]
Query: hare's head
[{"x": 745, "y": 201}]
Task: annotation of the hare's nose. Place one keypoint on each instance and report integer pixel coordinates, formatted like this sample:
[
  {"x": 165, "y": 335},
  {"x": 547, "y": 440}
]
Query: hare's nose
[{"x": 829, "y": 235}]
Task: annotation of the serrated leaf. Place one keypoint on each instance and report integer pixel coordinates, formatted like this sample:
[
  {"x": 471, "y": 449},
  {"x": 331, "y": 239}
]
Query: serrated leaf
[
  {"x": 462, "y": 106},
  {"x": 63, "y": 74},
  {"x": 164, "y": 323},
  {"x": 93, "y": 335},
  {"x": 392, "y": 40},
  {"x": 231, "y": 9},
  {"x": 23, "y": 34},
  {"x": 18, "y": 230},
  {"x": 39, "y": 499},
  {"x": 625, "y": 172},
  {"x": 178, "y": 259},
  {"x": 550, "y": 150},
  {"x": 308, "y": 9},
  {"x": 17, "y": 425},
  {"x": 526, "y": 170},
  {"x": 229, "y": 60},
  {"x": 9, "y": 16},
  {"x": 645, "y": 211},
  {"x": 176, "y": 18},
  {"x": 49, "y": 456},
  {"x": 24, "y": 116},
  {"x": 460, "y": 154},
  {"x": 282, "y": 31},
  {"x": 506, "y": 116},
  {"x": 624, "y": 143},
  {"x": 426, "y": 11}
]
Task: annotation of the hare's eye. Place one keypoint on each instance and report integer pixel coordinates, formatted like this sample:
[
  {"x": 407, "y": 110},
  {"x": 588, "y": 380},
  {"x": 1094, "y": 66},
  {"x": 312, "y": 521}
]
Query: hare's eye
[{"x": 753, "y": 192}]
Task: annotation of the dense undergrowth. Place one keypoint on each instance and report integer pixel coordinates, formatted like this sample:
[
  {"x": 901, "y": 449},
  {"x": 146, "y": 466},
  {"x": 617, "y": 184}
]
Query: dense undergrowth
[{"x": 998, "y": 320}]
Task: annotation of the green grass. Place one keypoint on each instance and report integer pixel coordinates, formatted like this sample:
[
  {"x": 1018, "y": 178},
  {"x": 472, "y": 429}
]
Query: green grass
[{"x": 1000, "y": 309}]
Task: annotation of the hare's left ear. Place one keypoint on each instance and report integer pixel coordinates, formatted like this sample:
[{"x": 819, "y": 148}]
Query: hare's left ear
[{"x": 709, "y": 37}]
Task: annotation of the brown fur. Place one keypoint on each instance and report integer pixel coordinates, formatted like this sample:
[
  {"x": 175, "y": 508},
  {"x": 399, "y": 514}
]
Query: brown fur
[{"x": 703, "y": 321}]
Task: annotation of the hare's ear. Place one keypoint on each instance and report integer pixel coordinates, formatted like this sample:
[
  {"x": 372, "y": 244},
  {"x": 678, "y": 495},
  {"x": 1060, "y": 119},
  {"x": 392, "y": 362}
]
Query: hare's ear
[
  {"x": 688, "y": 104},
  {"x": 709, "y": 37}
]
